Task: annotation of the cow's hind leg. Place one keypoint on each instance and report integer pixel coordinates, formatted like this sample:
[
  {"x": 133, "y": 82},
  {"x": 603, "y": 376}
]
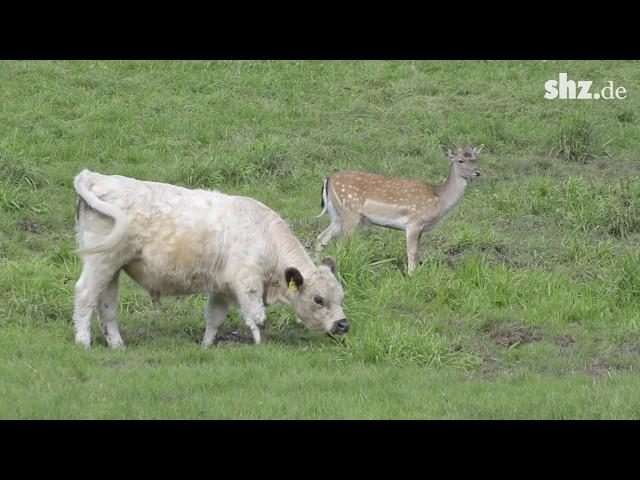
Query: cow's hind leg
[
  {"x": 215, "y": 314},
  {"x": 93, "y": 281},
  {"x": 107, "y": 310}
]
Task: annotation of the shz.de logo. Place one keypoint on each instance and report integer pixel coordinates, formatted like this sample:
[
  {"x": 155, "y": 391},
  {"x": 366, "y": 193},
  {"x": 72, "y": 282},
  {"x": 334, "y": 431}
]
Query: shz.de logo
[{"x": 571, "y": 90}]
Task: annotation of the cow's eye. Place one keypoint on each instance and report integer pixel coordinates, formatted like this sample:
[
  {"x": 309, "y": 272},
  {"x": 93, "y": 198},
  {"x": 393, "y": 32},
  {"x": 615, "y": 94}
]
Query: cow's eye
[{"x": 318, "y": 299}]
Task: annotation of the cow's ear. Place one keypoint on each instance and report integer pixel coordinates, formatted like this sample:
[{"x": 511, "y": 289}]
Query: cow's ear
[
  {"x": 330, "y": 262},
  {"x": 293, "y": 277}
]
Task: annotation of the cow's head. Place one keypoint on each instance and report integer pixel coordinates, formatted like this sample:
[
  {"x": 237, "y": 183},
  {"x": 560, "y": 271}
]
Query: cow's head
[{"x": 317, "y": 300}]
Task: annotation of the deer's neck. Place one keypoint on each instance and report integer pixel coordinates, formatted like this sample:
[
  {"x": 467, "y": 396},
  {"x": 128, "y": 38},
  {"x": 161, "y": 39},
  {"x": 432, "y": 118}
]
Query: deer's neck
[{"x": 451, "y": 191}]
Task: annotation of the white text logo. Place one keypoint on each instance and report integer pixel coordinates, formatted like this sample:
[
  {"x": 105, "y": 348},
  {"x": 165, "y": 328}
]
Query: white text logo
[{"x": 571, "y": 90}]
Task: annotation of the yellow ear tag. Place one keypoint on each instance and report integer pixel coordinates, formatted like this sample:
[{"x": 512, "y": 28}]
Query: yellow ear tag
[{"x": 293, "y": 286}]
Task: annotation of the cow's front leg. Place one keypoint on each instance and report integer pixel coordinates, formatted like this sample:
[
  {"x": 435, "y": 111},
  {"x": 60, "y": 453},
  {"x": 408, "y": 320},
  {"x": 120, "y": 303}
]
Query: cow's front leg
[
  {"x": 215, "y": 314},
  {"x": 252, "y": 308},
  {"x": 254, "y": 315}
]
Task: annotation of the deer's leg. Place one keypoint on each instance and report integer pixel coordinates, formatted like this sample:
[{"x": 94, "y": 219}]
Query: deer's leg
[
  {"x": 331, "y": 231},
  {"x": 345, "y": 222},
  {"x": 350, "y": 222},
  {"x": 327, "y": 235},
  {"x": 413, "y": 247}
]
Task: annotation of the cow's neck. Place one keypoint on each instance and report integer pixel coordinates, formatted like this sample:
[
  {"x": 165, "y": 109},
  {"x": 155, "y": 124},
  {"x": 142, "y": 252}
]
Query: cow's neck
[{"x": 289, "y": 253}]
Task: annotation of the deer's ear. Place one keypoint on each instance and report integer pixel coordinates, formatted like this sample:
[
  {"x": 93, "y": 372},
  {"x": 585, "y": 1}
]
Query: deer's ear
[
  {"x": 478, "y": 149},
  {"x": 447, "y": 152},
  {"x": 329, "y": 262}
]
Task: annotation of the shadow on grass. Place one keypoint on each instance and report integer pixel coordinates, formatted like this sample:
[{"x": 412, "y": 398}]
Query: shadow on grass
[{"x": 231, "y": 335}]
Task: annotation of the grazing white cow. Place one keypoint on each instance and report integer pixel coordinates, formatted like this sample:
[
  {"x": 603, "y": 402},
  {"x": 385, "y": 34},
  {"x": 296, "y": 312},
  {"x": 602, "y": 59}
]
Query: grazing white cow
[{"x": 176, "y": 241}]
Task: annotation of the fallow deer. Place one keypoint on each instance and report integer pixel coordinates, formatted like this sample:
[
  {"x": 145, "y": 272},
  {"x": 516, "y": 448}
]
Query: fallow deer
[{"x": 410, "y": 205}]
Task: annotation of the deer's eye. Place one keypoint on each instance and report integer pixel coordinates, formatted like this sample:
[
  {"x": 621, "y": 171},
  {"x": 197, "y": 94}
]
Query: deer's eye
[
  {"x": 318, "y": 299},
  {"x": 460, "y": 161}
]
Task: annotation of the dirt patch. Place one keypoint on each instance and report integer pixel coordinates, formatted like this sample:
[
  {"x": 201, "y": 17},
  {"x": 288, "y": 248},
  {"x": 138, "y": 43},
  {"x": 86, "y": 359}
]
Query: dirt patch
[
  {"x": 623, "y": 358},
  {"x": 454, "y": 251},
  {"x": 113, "y": 363},
  {"x": 483, "y": 352},
  {"x": 144, "y": 334},
  {"x": 234, "y": 337},
  {"x": 30, "y": 225},
  {"x": 496, "y": 253},
  {"x": 564, "y": 339},
  {"x": 631, "y": 349},
  {"x": 499, "y": 249},
  {"x": 499, "y": 253},
  {"x": 516, "y": 336},
  {"x": 511, "y": 335},
  {"x": 191, "y": 333},
  {"x": 492, "y": 365},
  {"x": 598, "y": 367}
]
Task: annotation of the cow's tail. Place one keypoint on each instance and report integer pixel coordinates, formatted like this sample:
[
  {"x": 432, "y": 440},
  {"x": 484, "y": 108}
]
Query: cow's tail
[
  {"x": 324, "y": 202},
  {"x": 121, "y": 222}
]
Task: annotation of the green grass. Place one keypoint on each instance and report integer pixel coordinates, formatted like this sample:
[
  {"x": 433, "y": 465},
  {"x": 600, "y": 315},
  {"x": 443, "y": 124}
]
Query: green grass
[{"x": 527, "y": 302}]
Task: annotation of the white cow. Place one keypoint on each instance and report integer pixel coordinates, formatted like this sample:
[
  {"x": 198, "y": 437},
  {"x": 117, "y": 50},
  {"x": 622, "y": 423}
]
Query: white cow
[{"x": 176, "y": 241}]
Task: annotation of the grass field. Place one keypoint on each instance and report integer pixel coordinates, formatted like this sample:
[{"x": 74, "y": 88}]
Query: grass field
[{"x": 526, "y": 305}]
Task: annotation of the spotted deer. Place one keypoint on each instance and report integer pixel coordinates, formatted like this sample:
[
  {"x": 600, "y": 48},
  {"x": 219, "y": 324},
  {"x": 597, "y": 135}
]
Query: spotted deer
[{"x": 410, "y": 205}]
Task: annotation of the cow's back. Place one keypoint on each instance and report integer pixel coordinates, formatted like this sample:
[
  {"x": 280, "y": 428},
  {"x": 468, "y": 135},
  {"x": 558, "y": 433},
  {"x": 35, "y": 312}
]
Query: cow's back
[{"x": 182, "y": 240}]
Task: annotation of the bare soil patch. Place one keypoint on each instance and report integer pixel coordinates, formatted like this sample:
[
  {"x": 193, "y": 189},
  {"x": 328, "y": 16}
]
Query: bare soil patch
[
  {"x": 511, "y": 335},
  {"x": 30, "y": 225}
]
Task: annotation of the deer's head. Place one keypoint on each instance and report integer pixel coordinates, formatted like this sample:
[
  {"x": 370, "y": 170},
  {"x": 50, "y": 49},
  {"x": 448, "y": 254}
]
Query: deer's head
[{"x": 463, "y": 160}]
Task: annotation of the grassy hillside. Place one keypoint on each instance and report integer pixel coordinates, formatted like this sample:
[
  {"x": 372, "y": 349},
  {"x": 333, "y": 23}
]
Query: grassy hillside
[{"x": 527, "y": 304}]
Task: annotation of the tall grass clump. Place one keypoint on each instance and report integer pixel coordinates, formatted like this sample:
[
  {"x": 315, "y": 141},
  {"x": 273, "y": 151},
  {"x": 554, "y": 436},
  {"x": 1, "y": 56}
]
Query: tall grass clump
[
  {"x": 622, "y": 209},
  {"x": 395, "y": 344},
  {"x": 628, "y": 278},
  {"x": 613, "y": 208},
  {"x": 218, "y": 173},
  {"x": 575, "y": 140},
  {"x": 35, "y": 290},
  {"x": 532, "y": 196},
  {"x": 362, "y": 262},
  {"x": 576, "y": 202},
  {"x": 17, "y": 173},
  {"x": 14, "y": 199}
]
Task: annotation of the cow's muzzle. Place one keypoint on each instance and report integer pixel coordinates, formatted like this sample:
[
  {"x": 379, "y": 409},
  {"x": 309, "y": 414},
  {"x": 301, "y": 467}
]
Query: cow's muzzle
[{"x": 341, "y": 326}]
